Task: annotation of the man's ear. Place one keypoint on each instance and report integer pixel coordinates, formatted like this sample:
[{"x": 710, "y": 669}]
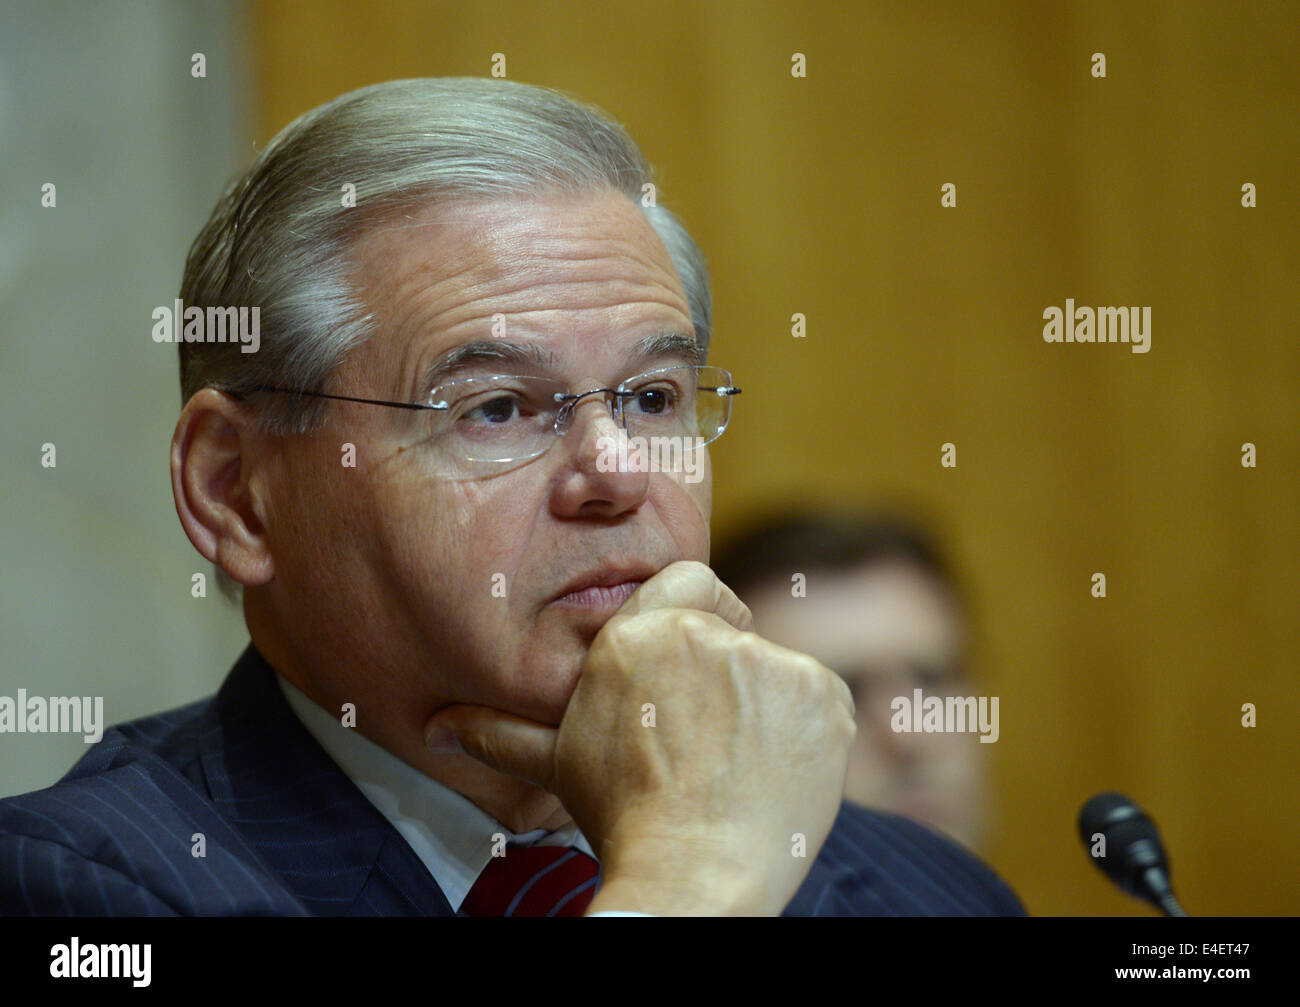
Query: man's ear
[{"x": 220, "y": 504}]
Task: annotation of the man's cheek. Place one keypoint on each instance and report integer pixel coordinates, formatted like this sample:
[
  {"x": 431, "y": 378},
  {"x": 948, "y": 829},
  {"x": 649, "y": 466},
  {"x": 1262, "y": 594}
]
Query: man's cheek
[
  {"x": 684, "y": 511},
  {"x": 426, "y": 527},
  {"x": 548, "y": 673},
  {"x": 694, "y": 483}
]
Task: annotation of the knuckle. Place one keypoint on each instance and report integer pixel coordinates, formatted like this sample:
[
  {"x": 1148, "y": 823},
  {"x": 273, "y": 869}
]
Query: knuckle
[
  {"x": 616, "y": 632},
  {"x": 823, "y": 687},
  {"x": 750, "y": 650},
  {"x": 750, "y": 654},
  {"x": 812, "y": 676},
  {"x": 848, "y": 727},
  {"x": 845, "y": 695},
  {"x": 693, "y": 625},
  {"x": 615, "y": 641}
]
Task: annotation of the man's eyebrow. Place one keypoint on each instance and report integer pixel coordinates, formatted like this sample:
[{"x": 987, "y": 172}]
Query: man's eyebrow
[
  {"x": 669, "y": 344},
  {"x": 498, "y": 351},
  {"x": 485, "y": 351}
]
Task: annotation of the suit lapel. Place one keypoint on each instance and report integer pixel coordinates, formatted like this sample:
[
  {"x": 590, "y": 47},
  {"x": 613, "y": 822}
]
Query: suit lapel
[{"x": 305, "y": 819}]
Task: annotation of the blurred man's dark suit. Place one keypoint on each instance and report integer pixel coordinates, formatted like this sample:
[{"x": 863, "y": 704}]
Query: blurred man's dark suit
[{"x": 286, "y": 833}]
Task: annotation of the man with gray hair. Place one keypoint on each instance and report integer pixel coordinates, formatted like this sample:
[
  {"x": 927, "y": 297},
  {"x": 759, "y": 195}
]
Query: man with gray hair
[{"x": 489, "y": 674}]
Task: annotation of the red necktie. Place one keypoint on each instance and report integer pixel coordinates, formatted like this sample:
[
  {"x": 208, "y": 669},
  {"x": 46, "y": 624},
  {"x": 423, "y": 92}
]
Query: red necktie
[{"x": 534, "y": 881}]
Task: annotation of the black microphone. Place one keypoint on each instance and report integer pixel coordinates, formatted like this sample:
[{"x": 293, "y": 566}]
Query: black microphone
[{"x": 1131, "y": 853}]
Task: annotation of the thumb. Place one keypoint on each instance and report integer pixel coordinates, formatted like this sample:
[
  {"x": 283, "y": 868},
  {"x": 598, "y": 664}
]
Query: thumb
[
  {"x": 689, "y": 584},
  {"x": 501, "y": 741}
]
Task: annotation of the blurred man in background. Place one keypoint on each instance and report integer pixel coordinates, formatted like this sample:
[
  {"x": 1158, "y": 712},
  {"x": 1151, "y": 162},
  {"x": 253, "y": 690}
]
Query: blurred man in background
[{"x": 873, "y": 599}]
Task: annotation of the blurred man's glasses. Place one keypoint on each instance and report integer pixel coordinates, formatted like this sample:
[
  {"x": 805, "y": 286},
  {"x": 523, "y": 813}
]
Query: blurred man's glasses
[{"x": 482, "y": 424}]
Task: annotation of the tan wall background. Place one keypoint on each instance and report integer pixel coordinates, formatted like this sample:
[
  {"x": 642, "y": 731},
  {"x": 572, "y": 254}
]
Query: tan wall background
[
  {"x": 822, "y": 196},
  {"x": 95, "y": 570}
]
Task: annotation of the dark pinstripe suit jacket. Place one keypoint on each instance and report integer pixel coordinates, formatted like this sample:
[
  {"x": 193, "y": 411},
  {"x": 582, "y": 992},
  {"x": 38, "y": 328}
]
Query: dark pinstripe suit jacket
[{"x": 287, "y": 833}]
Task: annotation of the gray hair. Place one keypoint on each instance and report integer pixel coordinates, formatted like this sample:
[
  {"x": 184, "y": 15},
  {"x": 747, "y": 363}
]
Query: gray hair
[{"x": 280, "y": 235}]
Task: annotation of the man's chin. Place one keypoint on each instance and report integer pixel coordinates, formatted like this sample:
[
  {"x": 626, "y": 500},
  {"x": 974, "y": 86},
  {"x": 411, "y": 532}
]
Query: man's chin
[
  {"x": 549, "y": 708},
  {"x": 543, "y": 694}
]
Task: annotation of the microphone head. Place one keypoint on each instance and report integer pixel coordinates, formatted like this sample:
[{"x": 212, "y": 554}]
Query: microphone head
[{"x": 1123, "y": 842}]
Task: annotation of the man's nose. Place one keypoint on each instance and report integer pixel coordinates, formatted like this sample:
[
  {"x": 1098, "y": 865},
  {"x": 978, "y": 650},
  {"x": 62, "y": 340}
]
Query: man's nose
[
  {"x": 592, "y": 429},
  {"x": 574, "y": 410},
  {"x": 596, "y": 477}
]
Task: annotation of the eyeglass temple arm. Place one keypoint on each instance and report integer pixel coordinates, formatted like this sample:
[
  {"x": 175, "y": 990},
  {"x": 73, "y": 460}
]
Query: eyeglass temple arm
[
  {"x": 350, "y": 398},
  {"x": 574, "y": 396}
]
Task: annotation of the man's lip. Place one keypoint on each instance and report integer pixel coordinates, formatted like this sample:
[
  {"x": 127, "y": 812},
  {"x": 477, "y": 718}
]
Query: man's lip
[
  {"x": 607, "y": 576},
  {"x": 600, "y": 598}
]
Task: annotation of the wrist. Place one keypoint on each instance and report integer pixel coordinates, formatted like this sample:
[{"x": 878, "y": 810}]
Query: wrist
[
  {"x": 680, "y": 878},
  {"x": 708, "y": 897}
]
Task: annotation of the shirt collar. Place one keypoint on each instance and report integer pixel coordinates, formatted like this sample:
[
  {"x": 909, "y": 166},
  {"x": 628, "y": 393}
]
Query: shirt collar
[{"x": 452, "y": 836}]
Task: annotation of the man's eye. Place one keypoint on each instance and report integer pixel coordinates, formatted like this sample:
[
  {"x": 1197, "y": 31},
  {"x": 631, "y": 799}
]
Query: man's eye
[
  {"x": 654, "y": 401},
  {"x": 495, "y": 411},
  {"x": 936, "y": 678}
]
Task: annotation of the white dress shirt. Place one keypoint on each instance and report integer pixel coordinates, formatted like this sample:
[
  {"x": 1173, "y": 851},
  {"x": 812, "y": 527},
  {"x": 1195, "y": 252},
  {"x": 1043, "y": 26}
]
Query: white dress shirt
[{"x": 451, "y": 835}]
